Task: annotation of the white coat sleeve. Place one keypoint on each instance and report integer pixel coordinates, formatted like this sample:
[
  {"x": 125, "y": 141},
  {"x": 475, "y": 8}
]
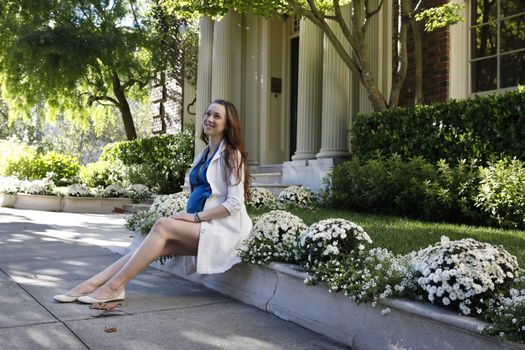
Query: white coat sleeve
[{"x": 235, "y": 196}]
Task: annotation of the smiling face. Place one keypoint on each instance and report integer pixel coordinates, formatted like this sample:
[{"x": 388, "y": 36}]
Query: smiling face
[{"x": 214, "y": 121}]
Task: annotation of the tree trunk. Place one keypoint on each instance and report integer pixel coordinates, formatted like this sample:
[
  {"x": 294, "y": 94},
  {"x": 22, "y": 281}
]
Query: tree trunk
[
  {"x": 400, "y": 57},
  {"x": 123, "y": 106},
  {"x": 418, "y": 57}
]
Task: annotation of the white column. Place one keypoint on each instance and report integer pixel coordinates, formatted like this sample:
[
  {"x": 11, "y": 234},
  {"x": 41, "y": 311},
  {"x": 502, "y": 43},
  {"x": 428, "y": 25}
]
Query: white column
[
  {"x": 204, "y": 74},
  {"x": 309, "y": 94},
  {"x": 221, "y": 80},
  {"x": 336, "y": 96}
]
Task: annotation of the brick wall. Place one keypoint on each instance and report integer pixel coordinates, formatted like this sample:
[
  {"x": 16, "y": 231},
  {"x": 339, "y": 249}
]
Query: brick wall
[{"x": 436, "y": 50}]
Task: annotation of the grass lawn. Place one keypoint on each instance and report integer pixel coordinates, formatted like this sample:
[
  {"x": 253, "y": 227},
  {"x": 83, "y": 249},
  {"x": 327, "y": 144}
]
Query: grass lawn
[{"x": 402, "y": 235}]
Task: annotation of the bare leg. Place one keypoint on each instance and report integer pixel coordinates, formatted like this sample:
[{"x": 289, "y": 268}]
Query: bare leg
[
  {"x": 99, "y": 279},
  {"x": 168, "y": 236}
]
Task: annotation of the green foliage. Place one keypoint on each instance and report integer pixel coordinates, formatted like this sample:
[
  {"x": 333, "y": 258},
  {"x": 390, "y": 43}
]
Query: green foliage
[
  {"x": 102, "y": 173},
  {"x": 414, "y": 188},
  {"x": 465, "y": 192},
  {"x": 28, "y": 163},
  {"x": 62, "y": 56},
  {"x": 65, "y": 168},
  {"x": 159, "y": 162},
  {"x": 480, "y": 128},
  {"x": 440, "y": 17},
  {"x": 502, "y": 192}
]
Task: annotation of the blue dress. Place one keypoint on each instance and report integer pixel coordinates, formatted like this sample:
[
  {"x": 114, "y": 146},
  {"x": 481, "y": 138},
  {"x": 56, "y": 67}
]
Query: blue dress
[{"x": 200, "y": 188}]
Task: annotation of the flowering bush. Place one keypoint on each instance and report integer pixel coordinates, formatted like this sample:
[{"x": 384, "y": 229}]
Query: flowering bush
[
  {"x": 9, "y": 184},
  {"x": 163, "y": 206},
  {"x": 330, "y": 239},
  {"x": 166, "y": 205},
  {"x": 77, "y": 191},
  {"x": 296, "y": 196},
  {"x": 138, "y": 192},
  {"x": 38, "y": 187},
  {"x": 507, "y": 313},
  {"x": 275, "y": 238},
  {"x": 142, "y": 222},
  {"x": 366, "y": 275},
  {"x": 261, "y": 197},
  {"x": 114, "y": 191},
  {"x": 463, "y": 273}
]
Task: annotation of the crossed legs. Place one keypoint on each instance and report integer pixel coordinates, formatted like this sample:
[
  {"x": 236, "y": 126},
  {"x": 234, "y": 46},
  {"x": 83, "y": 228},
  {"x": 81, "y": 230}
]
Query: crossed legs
[{"x": 168, "y": 236}]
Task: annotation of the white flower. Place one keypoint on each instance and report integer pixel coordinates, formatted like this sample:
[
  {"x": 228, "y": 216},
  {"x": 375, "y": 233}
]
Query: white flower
[
  {"x": 385, "y": 311},
  {"x": 261, "y": 197}
]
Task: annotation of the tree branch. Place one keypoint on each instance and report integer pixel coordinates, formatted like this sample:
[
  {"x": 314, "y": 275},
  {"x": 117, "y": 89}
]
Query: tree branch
[{"x": 373, "y": 13}]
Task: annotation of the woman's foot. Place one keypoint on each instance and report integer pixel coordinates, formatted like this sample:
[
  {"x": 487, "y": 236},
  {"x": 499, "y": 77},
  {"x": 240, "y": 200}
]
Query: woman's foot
[
  {"x": 103, "y": 294},
  {"x": 82, "y": 289}
]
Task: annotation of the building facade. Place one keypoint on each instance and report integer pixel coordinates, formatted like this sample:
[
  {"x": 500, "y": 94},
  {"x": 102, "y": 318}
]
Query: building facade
[{"x": 296, "y": 97}]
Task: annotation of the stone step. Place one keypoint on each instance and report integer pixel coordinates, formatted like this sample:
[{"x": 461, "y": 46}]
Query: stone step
[
  {"x": 267, "y": 178},
  {"x": 136, "y": 207},
  {"x": 267, "y": 168}
]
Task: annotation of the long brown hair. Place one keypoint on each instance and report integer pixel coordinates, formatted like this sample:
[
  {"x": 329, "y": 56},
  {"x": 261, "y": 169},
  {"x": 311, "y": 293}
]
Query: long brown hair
[{"x": 234, "y": 142}]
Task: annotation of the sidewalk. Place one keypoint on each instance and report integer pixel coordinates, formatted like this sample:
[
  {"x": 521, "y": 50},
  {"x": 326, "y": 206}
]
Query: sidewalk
[{"x": 47, "y": 253}]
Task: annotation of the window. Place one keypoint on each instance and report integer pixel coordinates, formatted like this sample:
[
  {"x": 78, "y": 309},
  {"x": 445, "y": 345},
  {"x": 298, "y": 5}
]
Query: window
[{"x": 497, "y": 34}]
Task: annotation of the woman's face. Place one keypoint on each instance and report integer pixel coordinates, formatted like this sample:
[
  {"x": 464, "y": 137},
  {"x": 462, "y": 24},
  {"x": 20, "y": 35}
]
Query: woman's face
[{"x": 214, "y": 121}]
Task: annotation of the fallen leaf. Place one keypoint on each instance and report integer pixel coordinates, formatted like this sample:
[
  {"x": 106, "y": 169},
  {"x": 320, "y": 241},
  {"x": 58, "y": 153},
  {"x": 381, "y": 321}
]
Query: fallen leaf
[
  {"x": 105, "y": 306},
  {"x": 110, "y": 330}
]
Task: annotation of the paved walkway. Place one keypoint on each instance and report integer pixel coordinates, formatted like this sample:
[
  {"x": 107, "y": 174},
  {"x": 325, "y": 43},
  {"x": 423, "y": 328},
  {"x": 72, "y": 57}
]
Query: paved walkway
[{"x": 46, "y": 253}]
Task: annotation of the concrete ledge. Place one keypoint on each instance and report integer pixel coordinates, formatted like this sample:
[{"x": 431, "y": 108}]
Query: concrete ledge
[
  {"x": 93, "y": 205},
  {"x": 38, "y": 202},
  {"x": 7, "y": 200},
  {"x": 279, "y": 289}
]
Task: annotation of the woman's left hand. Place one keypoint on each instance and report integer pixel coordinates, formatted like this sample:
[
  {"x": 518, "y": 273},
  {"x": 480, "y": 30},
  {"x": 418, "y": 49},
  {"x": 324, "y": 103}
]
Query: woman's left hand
[{"x": 183, "y": 217}]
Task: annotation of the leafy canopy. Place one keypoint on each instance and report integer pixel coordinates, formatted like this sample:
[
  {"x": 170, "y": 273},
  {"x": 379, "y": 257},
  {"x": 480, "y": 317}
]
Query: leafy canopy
[{"x": 61, "y": 55}]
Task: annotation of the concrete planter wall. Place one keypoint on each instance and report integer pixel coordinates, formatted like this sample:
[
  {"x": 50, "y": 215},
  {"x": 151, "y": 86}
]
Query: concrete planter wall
[
  {"x": 7, "y": 200},
  {"x": 279, "y": 289},
  {"x": 38, "y": 202},
  {"x": 93, "y": 205}
]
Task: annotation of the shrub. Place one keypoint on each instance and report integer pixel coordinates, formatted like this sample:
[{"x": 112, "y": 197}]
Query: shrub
[
  {"x": 114, "y": 191},
  {"x": 461, "y": 274},
  {"x": 502, "y": 192},
  {"x": 77, "y": 191},
  {"x": 480, "y": 128},
  {"x": 330, "y": 239},
  {"x": 261, "y": 197},
  {"x": 414, "y": 188},
  {"x": 158, "y": 162},
  {"x": 274, "y": 239},
  {"x": 163, "y": 206},
  {"x": 26, "y": 163},
  {"x": 138, "y": 192},
  {"x": 103, "y": 174},
  {"x": 297, "y": 196}
]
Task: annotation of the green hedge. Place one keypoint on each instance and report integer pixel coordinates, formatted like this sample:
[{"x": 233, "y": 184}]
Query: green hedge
[
  {"x": 27, "y": 163},
  {"x": 482, "y": 128},
  {"x": 159, "y": 162},
  {"x": 464, "y": 193}
]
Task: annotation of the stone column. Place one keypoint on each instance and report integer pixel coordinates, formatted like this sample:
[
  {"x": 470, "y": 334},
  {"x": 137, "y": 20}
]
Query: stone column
[
  {"x": 221, "y": 80},
  {"x": 336, "y": 97},
  {"x": 204, "y": 74},
  {"x": 309, "y": 94}
]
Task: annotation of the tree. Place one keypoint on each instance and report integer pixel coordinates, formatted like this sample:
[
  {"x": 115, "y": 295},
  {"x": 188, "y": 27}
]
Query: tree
[
  {"x": 63, "y": 56},
  {"x": 357, "y": 57}
]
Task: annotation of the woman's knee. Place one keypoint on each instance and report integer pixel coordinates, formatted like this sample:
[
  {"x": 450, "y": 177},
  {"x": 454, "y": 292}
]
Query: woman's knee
[{"x": 161, "y": 227}]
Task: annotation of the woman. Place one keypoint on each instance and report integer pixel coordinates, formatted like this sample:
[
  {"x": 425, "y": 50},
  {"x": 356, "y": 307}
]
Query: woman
[{"x": 213, "y": 226}]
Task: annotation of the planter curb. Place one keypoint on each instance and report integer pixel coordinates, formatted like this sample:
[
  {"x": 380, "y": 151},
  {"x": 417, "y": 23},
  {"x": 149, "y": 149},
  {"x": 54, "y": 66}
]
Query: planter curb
[{"x": 279, "y": 289}]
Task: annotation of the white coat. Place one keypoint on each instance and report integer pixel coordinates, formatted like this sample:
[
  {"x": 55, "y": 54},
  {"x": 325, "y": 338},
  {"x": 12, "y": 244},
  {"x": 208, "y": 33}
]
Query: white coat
[{"x": 220, "y": 238}]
